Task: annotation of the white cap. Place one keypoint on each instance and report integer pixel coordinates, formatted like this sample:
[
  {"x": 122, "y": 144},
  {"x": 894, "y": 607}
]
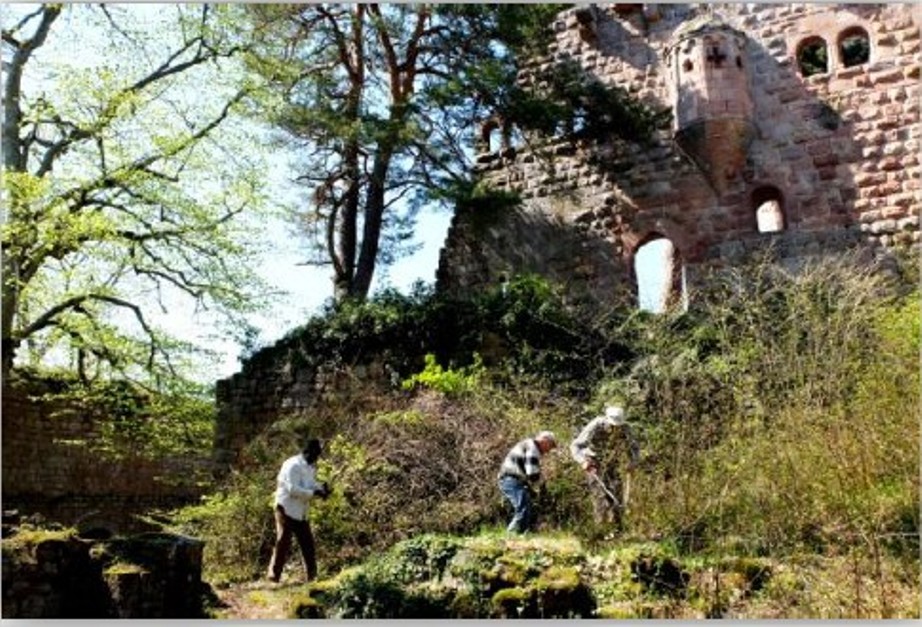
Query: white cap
[
  {"x": 615, "y": 414},
  {"x": 547, "y": 435}
]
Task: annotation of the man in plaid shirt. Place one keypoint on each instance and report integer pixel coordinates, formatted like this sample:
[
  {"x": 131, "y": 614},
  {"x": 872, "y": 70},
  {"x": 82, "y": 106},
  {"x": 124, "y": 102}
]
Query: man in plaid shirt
[{"x": 521, "y": 467}]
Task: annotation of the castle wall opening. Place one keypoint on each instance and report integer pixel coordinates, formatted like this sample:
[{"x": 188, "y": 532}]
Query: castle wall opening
[
  {"x": 660, "y": 275},
  {"x": 768, "y": 204}
]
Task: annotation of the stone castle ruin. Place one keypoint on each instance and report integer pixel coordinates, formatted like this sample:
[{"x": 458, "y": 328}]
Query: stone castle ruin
[{"x": 795, "y": 127}]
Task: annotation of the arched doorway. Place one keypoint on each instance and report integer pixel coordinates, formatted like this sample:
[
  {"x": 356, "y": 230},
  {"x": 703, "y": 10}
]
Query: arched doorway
[
  {"x": 768, "y": 204},
  {"x": 659, "y": 274}
]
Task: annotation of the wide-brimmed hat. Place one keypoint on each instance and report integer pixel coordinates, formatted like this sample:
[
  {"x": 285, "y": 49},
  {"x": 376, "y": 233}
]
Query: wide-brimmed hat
[{"x": 615, "y": 414}]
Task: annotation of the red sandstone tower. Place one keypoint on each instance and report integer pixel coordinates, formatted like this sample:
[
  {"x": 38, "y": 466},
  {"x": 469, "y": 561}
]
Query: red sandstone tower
[{"x": 713, "y": 109}]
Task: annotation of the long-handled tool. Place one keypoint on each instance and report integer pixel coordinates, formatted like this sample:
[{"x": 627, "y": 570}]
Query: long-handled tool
[
  {"x": 626, "y": 489},
  {"x": 608, "y": 493}
]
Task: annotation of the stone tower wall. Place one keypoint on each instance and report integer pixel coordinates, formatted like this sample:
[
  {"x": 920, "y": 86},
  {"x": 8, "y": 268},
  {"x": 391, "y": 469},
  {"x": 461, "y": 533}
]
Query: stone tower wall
[{"x": 839, "y": 150}]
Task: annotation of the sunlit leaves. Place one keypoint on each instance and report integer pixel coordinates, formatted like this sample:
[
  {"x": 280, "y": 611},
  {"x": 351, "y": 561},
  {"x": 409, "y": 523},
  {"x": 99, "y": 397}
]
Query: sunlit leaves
[{"x": 139, "y": 191}]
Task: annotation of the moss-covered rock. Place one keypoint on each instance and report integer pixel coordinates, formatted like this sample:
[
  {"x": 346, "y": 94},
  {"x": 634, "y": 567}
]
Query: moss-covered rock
[
  {"x": 306, "y": 607},
  {"x": 562, "y": 594},
  {"x": 515, "y": 602}
]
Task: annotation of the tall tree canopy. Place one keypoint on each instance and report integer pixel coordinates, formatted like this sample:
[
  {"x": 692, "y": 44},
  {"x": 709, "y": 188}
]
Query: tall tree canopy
[
  {"x": 380, "y": 100},
  {"x": 124, "y": 183}
]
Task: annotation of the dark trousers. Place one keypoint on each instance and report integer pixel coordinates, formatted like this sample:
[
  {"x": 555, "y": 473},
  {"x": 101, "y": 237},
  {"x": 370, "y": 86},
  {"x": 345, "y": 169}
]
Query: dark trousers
[{"x": 285, "y": 528}]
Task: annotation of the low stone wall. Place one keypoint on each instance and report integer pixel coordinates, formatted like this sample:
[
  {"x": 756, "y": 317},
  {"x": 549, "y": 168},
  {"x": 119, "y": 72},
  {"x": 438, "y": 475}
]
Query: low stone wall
[{"x": 52, "y": 467}]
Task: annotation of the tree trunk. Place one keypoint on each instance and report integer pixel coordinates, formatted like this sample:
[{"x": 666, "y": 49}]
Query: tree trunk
[{"x": 14, "y": 161}]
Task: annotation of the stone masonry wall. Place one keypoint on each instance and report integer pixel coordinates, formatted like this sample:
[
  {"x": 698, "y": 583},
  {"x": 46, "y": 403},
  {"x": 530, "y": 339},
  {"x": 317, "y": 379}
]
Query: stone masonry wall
[
  {"x": 838, "y": 149},
  {"x": 275, "y": 383},
  {"x": 267, "y": 388},
  {"x": 51, "y": 468}
]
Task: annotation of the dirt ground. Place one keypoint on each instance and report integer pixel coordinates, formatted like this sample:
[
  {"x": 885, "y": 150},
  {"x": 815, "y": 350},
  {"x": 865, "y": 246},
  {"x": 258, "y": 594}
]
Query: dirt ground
[{"x": 259, "y": 600}]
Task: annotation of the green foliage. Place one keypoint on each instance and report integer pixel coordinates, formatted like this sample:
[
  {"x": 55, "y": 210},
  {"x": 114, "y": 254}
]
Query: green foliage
[
  {"x": 130, "y": 420},
  {"x": 450, "y": 382},
  {"x": 237, "y": 526},
  {"x": 813, "y": 58},
  {"x": 109, "y": 226},
  {"x": 435, "y": 576},
  {"x": 856, "y": 49},
  {"x": 574, "y": 104},
  {"x": 780, "y": 429},
  {"x": 486, "y": 205},
  {"x": 523, "y": 329},
  {"x": 28, "y": 536}
]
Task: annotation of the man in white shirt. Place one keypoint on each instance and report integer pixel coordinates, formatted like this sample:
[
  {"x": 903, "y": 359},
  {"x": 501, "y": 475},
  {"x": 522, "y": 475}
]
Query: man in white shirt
[
  {"x": 600, "y": 449},
  {"x": 297, "y": 485}
]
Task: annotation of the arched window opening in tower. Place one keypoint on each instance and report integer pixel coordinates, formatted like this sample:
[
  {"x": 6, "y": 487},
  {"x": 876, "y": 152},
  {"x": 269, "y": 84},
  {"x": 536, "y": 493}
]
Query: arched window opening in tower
[
  {"x": 812, "y": 56},
  {"x": 660, "y": 275},
  {"x": 854, "y": 47},
  {"x": 769, "y": 209}
]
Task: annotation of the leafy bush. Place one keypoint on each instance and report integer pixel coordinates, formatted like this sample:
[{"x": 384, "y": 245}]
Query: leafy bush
[
  {"x": 523, "y": 329},
  {"x": 783, "y": 429},
  {"x": 237, "y": 526},
  {"x": 449, "y": 381}
]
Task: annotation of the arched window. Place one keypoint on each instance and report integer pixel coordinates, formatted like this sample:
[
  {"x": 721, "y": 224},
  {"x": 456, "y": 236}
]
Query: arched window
[
  {"x": 812, "y": 57},
  {"x": 854, "y": 47},
  {"x": 769, "y": 209},
  {"x": 660, "y": 275}
]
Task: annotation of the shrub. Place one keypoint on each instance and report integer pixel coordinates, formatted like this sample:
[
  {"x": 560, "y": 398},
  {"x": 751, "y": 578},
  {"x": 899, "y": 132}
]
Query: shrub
[
  {"x": 237, "y": 526},
  {"x": 449, "y": 381},
  {"x": 783, "y": 429}
]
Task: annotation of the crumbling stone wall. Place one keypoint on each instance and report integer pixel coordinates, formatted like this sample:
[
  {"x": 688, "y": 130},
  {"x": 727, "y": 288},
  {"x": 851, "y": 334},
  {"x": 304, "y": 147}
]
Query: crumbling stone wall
[
  {"x": 63, "y": 576},
  {"x": 279, "y": 382},
  {"x": 52, "y": 468},
  {"x": 270, "y": 385},
  {"x": 838, "y": 151}
]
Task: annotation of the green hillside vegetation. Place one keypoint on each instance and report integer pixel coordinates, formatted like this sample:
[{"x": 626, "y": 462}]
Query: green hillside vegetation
[{"x": 779, "y": 426}]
